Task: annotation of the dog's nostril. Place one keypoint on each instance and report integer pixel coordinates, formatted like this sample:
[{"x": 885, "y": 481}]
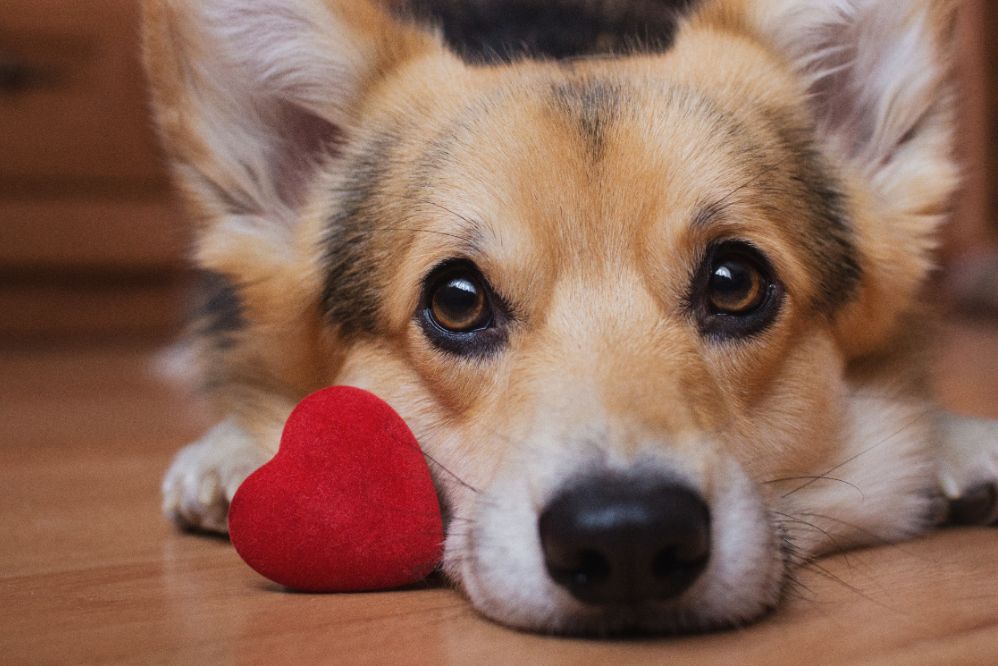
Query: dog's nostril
[
  {"x": 681, "y": 563},
  {"x": 625, "y": 540},
  {"x": 582, "y": 568},
  {"x": 593, "y": 568},
  {"x": 664, "y": 563}
]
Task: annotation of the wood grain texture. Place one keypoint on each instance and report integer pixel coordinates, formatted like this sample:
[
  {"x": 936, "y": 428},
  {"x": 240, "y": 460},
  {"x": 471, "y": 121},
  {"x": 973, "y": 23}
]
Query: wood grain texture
[{"x": 89, "y": 571}]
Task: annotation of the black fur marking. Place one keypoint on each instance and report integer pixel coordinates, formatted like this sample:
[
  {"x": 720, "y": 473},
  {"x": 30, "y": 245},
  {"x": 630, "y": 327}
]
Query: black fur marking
[
  {"x": 831, "y": 239},
  {"x": 221, "y": 314},
  {"x": 495, "y": 31},
  {"x": 351, "y": 296},
  {"x": 594, "y": 105}
]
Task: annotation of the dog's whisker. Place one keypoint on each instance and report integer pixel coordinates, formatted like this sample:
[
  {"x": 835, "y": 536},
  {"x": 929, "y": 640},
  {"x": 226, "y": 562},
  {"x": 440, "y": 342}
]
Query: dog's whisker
[
  {"x": 793, "y": 519},
  {"x": 834, "y": 540},
  {"x": 877, "y": 538},
  {"x": 828, "y": 575},
  {"x": 794, "y": 585},
  {"x": 818, "y": 477},
  {"x": 845, "y": 462},
  {"x": 460, "y": 481}
]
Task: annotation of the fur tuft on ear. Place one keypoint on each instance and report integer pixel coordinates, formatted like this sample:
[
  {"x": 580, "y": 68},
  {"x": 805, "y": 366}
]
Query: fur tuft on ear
[{"x": 252, "y": 95}]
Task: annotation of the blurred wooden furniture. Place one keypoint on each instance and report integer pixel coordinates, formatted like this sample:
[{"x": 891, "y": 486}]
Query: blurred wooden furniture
[
  {"x": 970, "y": 241},
  {"x": 975, "y": 224},
  {"x": 92, "y": 241}
]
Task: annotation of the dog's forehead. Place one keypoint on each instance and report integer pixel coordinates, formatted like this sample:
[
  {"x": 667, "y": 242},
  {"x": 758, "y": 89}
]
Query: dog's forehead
[{"x": 581, "y": 167}]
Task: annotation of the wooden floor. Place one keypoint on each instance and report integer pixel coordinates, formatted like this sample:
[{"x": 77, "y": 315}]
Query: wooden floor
[{"x": 90, "y": 572}]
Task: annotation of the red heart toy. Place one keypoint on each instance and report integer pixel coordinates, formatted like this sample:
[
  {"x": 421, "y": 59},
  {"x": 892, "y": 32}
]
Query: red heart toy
[{"x": 347, "y": 504}]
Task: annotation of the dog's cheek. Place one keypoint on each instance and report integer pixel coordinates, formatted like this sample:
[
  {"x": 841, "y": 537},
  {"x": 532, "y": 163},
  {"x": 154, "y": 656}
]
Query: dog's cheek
[{"x": 795, "y": 423}]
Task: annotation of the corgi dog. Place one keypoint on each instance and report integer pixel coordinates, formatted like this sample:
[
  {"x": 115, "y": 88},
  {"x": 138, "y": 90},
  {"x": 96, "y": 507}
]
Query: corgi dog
[{"x": 642, "y": 277}]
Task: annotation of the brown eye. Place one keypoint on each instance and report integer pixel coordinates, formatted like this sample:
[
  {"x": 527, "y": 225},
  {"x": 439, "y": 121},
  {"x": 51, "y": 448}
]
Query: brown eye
[
  {"x": 736, "y": 287},
  {"x": 735, "y": 292},
  {"x": 458, "y": 303}
]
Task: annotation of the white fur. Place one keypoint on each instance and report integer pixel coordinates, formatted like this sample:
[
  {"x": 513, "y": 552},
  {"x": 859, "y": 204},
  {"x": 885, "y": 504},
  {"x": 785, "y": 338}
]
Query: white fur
[
  {"x": 968, "y": 454},
  {"x": 879, "y": 488},
  {"x": 205, "y": 475},
  {"x": 299, "y": 51},
  {"x": 878, "y": 76},
  {"x": 266, "y": 83}
]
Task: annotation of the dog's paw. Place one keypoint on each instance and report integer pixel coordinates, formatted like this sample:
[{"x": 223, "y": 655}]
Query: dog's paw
[
  {"x": 968, "y": 469},
  {"x": 205, "y": 475}
]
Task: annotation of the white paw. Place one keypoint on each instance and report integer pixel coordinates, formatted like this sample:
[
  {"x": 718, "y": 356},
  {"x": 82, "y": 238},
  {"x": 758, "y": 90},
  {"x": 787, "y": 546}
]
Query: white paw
[
  {"x": 205, "y": 475},
  {"x": 968, "y": 469}
]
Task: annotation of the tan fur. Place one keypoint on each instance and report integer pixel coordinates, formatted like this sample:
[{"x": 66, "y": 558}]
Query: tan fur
[{"x": 596, "y": 253}]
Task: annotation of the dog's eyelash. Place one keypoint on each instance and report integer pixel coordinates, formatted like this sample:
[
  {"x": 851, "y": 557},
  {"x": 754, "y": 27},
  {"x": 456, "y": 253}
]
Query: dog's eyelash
[{"x": 465, "y": 239}]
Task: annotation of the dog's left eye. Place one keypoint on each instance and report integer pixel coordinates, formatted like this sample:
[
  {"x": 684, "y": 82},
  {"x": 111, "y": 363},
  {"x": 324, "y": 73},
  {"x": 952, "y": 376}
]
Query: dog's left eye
[
  {"x": 460, "y": 312},
  {"x": 735, "y": 294},
  {"x": 736, "y": 287}
]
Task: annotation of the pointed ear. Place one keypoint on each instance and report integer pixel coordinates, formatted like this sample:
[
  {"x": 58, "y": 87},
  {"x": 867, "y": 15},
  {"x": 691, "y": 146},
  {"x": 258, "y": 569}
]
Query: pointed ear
[
  {"x": 252, "y": 95},
  {"x": 877, "y": 71},
  {"x": 878, "y": 76}
]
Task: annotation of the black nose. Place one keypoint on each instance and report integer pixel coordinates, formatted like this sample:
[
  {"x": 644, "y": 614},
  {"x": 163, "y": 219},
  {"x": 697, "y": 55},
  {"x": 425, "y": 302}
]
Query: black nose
[{"x": 615, "y": 539}]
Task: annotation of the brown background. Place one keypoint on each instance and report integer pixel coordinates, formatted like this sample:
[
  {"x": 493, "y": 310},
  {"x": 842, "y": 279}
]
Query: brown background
[{"x": 92, "y": 243}]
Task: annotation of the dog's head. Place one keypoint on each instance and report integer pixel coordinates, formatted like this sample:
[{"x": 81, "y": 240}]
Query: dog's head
[{"x": 615, "y": 298}]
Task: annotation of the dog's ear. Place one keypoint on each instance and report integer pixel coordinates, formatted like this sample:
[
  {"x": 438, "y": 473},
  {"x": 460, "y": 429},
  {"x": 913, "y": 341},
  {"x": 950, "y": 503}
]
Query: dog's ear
[
  {"x": 877, "y": 76},
  {"x": 877, "y": 71},
  {"x": 251, "y": 96}
]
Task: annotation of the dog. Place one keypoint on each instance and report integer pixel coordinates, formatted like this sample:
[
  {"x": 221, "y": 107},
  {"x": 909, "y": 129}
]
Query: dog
[{"x": 644, "y": 278}]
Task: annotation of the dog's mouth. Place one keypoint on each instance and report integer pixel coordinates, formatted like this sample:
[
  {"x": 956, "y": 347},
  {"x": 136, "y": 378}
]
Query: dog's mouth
[{"x": 620, "y": 554}]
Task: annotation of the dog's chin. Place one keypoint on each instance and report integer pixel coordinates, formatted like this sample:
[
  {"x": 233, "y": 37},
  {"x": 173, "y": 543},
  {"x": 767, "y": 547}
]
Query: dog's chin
[{"x": 495, "y": 557}]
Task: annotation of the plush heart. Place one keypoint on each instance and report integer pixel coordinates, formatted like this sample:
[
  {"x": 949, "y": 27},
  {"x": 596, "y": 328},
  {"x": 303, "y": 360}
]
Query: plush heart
[{"x": 347, "y": 504}]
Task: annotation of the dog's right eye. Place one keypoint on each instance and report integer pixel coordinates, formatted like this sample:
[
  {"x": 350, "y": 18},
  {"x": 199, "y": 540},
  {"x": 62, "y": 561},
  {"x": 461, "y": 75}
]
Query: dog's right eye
[{"x": 460, "y": 311}]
